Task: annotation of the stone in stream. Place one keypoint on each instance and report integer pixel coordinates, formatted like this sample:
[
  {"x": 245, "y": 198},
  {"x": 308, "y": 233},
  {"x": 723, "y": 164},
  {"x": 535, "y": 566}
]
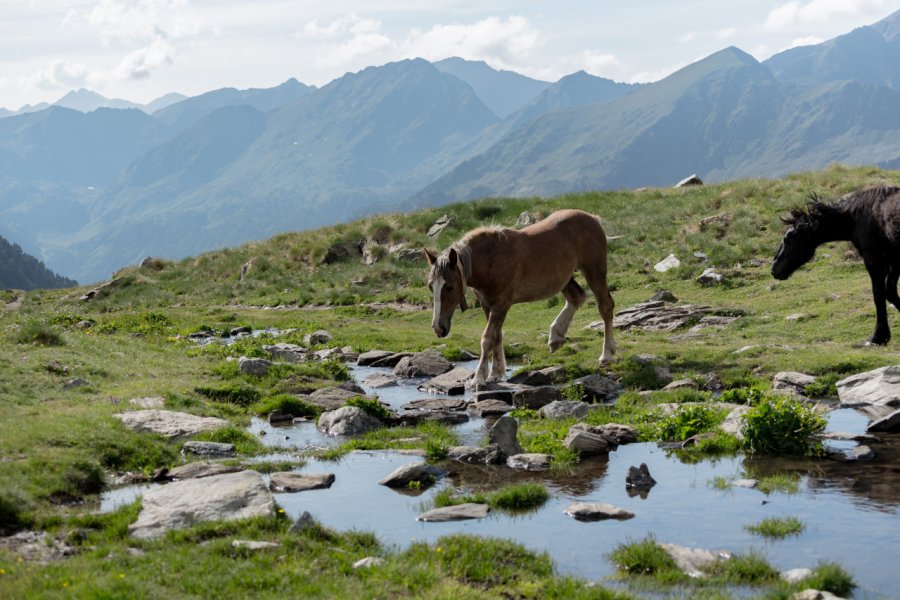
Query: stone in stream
[
  {"x": 638, "y": 478},
  {"x": 458, "y": 512},
  {"x": 530, "y": 461},
  {"x": 195, "y": 470},
  {"x": 428, "y": 363},
  {"x": 489, "y": 455},
  {"x": 169, "y": 424},
  {"x": 564, "y": 409},
  {"x": 889, "y": 423},
  {"x": 347, "y": 420},
  {"x": 380, "y": 380},
  {"x": 279, "y": 417},
  {"x": 452, "y": 383},
  {"x": 745, "y": 483},
  {"x": 495, "y": 391},
  {"x": 585, "y": 443},
  {"x": 421, "y": 473},
  {"x": 490, "y": 408},
  {"x": 536, "y": 397},
  {"x": 694, "y": 561},
  {"x": 217, "y": 498},
  {"x": 367, "y": 358},
  {"x": 334, "y": 397},
  {"x": 504, "y": 433},
  {"x": 879, "y": 387},
  {"x": 597, "y": 511},
  {"x": 436, "y": 404},
  {"x": 795, "y": 575},
  {"x": 208, "y": 448},
  {"x": 447, "y": 417},
  {"x": 289, "y": 482},
  {"x": 390, "y": 361}
]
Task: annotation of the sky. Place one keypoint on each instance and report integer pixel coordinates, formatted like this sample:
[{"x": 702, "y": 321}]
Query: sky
[{"x": 139, "y": 50}]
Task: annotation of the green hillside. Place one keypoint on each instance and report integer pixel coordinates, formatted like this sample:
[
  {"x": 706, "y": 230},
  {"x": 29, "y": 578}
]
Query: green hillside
[{"x": 59, "y": 442}]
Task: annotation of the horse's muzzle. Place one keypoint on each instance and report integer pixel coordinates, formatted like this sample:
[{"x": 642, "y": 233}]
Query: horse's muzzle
[{"x": 441, "y": 331}]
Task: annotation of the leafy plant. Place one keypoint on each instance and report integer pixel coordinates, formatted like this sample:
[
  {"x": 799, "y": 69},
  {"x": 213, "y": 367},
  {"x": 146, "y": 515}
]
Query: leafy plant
[
  {"x": 371, "y": 406},
  {"x": 687, "y": 421},
  {"x": 782, "y": 426}
]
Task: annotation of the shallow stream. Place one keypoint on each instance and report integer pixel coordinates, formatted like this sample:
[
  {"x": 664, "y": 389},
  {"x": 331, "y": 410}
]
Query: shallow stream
[{"x": 850, "y": 509}]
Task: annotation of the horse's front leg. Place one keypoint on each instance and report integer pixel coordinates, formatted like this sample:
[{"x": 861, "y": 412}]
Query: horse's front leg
[
  {"x": 882, "y": 333},
  {"x": 489, "y": 339},
  {"x": 890, "y": 285}
]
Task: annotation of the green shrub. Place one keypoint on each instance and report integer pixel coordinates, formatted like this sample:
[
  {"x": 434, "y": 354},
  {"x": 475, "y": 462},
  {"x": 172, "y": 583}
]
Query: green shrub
[
  {"x": 687, "y": 421},
  {"x": 372, "y": 407},
  {"x": 486, "y": 211},
  {"x": 642, "y": 558},
  {"x": 286, "y": 403},
  {"x": 831, "y": 577},
  {"x": 824, "y": 385},
  {"x": 743, "y": 395},
  {"x": 782, "y": 426},
  {"x": 83, "y": 478},
  {"x": 34, "y": 332},
  {"x": 244, "y": 442},
  {"x": 15, "y": 511},
  {"x": 238, "y": 394}
]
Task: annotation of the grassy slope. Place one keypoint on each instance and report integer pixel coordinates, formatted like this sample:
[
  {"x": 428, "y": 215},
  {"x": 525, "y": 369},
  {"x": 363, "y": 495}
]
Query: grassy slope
[{"x": 48, "y": 433}]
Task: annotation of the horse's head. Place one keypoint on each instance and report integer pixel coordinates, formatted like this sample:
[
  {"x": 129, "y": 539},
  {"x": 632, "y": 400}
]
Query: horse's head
[
  {"x": 448, "y": 286},
  {"x": 799, "y": 243}
]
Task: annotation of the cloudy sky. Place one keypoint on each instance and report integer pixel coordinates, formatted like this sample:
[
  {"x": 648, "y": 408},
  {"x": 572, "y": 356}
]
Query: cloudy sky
[{"x": 142, "y": 49}]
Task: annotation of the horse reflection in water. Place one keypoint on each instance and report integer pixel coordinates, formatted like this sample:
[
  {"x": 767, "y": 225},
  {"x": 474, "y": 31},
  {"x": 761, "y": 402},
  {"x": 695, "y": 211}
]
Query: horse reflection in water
[
  {"x": 870, "y": 220},
  {"x": 508, "y": 266}
]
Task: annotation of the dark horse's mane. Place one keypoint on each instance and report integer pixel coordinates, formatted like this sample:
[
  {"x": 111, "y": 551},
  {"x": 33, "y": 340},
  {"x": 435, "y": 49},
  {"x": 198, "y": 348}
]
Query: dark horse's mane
[{"x": 817, "y": 210}]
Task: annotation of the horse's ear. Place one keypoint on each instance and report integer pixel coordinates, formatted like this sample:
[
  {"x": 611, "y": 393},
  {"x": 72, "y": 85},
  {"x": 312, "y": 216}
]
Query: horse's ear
[
  {"x": 429, "y": 256},
  {"x": 452, "y": 257}
]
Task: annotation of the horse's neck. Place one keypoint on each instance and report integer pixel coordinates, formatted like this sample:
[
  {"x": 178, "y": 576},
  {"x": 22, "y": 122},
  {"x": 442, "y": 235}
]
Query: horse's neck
[
  {"x": 836, "y": 227},
  {"x": 482, "y": 251}
]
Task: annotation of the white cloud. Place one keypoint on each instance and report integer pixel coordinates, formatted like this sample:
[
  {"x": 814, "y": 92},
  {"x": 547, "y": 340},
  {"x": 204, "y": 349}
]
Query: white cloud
[
  {"x": 598, "y": 63},
  {"x": 808, "y": 40},
  {"x": 819, "y": 11},
  {"x": 687, "y": 38},
  {"x": 138, "y": 20},
  {"x": 61, "y": 74},
  {"x": 507, "y": 42},
  {"x": 724, "y": 34},
  {"x": 140, "y": 63}
]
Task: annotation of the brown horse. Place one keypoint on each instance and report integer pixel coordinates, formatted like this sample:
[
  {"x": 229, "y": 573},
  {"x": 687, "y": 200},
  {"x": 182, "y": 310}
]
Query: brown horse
[
  {"x": 870, "y": 220},
  {"x": 508, "y": 266}
]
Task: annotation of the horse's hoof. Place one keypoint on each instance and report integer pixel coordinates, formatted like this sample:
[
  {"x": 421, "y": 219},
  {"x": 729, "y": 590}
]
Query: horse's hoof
[
  {"x": 872, "y": 343},
  {"x": 556, "y": 345}
]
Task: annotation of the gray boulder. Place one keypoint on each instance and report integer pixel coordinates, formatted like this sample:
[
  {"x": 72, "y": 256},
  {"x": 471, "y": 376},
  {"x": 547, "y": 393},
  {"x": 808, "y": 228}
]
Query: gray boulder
[
  {"x": 208, "y": 448},
  {"x": 597, "y": 511},
  {"x": 447, "y": 417},
  {"x": 889, "y": 423},
  {"x": 564, "y": 409},
  {"x": 879, "y": 387},
  {"x": 254, "y": 366},
  {"x": 347, "y": 420},
  {"x": 490, "y": 408},
  {"x": 218, "y": 498},
  {"x": 694, "y": 561},
  {"x": 195, "y": 470},
  {"x": 710, "y": 276},
  {"x": 504, "y": 433},
  {"x": 614, "y": 432},
  {"x": 436, "y": 404},
  {"x": 452, "y": 383},
  {"x": 332, "y": 398},
  {"x": 169, "y": 424},
  {"x": 536, "y": 397},
  {"x": 317, "y": 337},
  {"x": 792, "y": 381},
  {"x": 489, "y": 455},
  {"x": 428, "y": 363},
  {"x": 390, "y": 361},
  {"x": 530, "y": 461},
  {"x": 380, "y": 380},
  {"x": 419, "y": 472},
  {"x": 291, "y": 353},
  {"x": 290, "y": 482},
  {"x": 585, "y": 443},
  {"x": 598, "y": 388},
  {"x": 458, "y": 512},
  {"x": 367, "y": 358}
]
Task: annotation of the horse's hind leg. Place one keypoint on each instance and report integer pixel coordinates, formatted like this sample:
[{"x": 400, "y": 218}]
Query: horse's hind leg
[
  {"x": 890, "y": 288},
  {"x": 575, "y": 297},
  {"x": 596, "y": 279}
]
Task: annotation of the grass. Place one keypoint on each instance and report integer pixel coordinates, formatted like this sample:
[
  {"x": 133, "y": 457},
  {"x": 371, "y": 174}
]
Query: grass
[
  {"x": 777, "y": 528},
  {"x": 421, "y": 436},
  {"x": 512, "y": 498}
]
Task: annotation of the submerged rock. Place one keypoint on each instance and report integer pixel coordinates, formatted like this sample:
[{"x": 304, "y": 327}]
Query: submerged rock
[
  {"x": 531, "y": 461},
  {"x": 489, "y": 455},
  {"x": 458, "y": 512},
  {"x": 597, "y": 511},
  {"x": 638, "y": 478}
]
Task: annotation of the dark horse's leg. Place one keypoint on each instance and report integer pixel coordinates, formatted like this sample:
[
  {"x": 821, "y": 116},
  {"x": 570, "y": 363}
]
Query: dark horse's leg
[
  {"x": 890, "y": 285},
  {"x": 879, "y": 278},
  {"x": 575, "y": 297}
]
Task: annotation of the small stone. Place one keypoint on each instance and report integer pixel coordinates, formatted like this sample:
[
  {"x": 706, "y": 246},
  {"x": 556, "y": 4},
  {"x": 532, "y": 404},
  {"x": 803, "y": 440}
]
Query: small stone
[
  {"x": 585, "y": 443},
  {"x": 490, "y": 408},
  {"x": 861, "y": 452},
  {"x": 745, "y": 483},
  {"x": 536, "y": 397},
  {"x": 347, "y": 420},
  {"x": 795, "y": 575},
  {"x": 368, "y": 562},
  {"x": 208, "y": 448},
  {"x": 318, "y": 337},
  {"x": 639, "y": 478},
  {"x": 694, "y": 561},
  {"x": 371, "y": 356},
  {"x": 710, "y": 277},
  {"x": 668, "y": 263},
  {"x": 287, "y": 482},
  {"x": 564, "y": 409},
  {"x": 597, "y": 511},
  {"x": 690, "y": 180},
  {"x": 74, "y": 383},
  {"x": 681, "y": 384},
  {"x": 792, "y": 381},
  {"x": 451, "y": 383},
  {"x": 380, "y": 380},
  {"x": 795, "y": 317},
  {"x": 457, "y": 512},
  {"x": 254, "y": 545},
  {"x": 531, "y": 461},
  {"x": 421, "y": 473}
]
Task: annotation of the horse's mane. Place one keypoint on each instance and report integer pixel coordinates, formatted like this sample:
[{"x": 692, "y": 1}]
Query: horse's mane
[
  {"x": 817, "y": 211},
  {"x": 464, "y": 255}
]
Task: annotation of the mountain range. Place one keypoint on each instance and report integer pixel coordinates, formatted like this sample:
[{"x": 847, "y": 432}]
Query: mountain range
[{"x": 89, "y": 192}]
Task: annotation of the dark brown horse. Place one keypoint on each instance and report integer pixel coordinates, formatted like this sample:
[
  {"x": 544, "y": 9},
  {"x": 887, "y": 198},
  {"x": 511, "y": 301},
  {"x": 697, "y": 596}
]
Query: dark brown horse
[
  {"x": 508, "y": 266},
  {"x": 869, "y": 219}
]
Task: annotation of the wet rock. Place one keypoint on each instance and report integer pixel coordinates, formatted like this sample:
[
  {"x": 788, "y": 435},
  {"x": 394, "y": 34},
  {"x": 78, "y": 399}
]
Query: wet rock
[
  {"x": 317, "y": 338},
  {"x": 169, "y": 424},
  {"x": 710, "y": 277},
  {"x": 368, "y": 562},
  {"x": 667, "y": 264},
  {"x": 347, "y": 420},
  {"x": 442, "y": 223},
  {"x": 694, "y": 561},
  {"x": 452, "y": 383},
  {"x": 150, "y": 402},
  {"x": 420, "y": 472},
  {"x": 380, "y": 380},
  {"x": 531, "y": 461},
  {"x": 196, "y": 470},
  {"x": 890, "y": 423},
  {"x": 332, "y": 398},
  {"x": 792, "y": 381},
  {"x": 598, "y": 388},
  {"x": 585, "y": 443},
  {"x": 458, "y": 512},
  {"x": 217, "y": 498},
  {"x": 435, "y": 404},
  {"x": 795, "y": 575},
  {"x": 681, "y": 384},
  {"x": 690, "y": 180},
  {"x": 597, "y": 511},
  {"x": 500, "y": 392},
  {"x": 745, "y": 483},
  {"x": 564, "y": 409},
  {"x": 638, "y": 478},
  {"x": 289, "y": 482},
  {"x": 533, "y": 378},
  {"x": 446, "y": 417},
  {"x": 536, "y": 397},
  {"x": 254, "y": 545},
  {"x": 656, "y": 316},
  {"x": 208, "y": 448},
  {"x": 428, "y": 363},
  {"x": 489, "y": 455},
  {"x": 303, "y": 523},
  {"x": 504, "y": 434},
  {"x": 279, "y": 417},
  {"x": 291, "y": 353},
  {"x": 390, "y": 361},
  {"x": 490, "y": 408},
  {"x": 367, "y": 358},
  {"x": 254, "y": 366},
  {"x": 880, "y": 387}
]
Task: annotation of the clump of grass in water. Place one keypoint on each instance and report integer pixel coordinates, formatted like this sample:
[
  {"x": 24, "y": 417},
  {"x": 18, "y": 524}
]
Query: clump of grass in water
[
  {"x": 286, "y": 403},
  {"x": 777, "y": 527},
  {"x": 785, "y": 483},
  {"x": 515, "y": 498},
  {"x": 687, "y": 421},
  {"x": 782, "y": 426},
  {"x": 645, "y": 557},
  {"x": 244, "y": 442}
]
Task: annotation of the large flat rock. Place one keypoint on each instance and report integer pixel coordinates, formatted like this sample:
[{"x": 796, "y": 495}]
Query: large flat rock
[
  {"x": 217, "y": 498},
  {"x": 458, "y": 512},
  {"x": 597, "y": 511},
  {"x": 169, "y": 424},
  {"x": 879, "y": 387},
  {"x": 289, "y": 482}
]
